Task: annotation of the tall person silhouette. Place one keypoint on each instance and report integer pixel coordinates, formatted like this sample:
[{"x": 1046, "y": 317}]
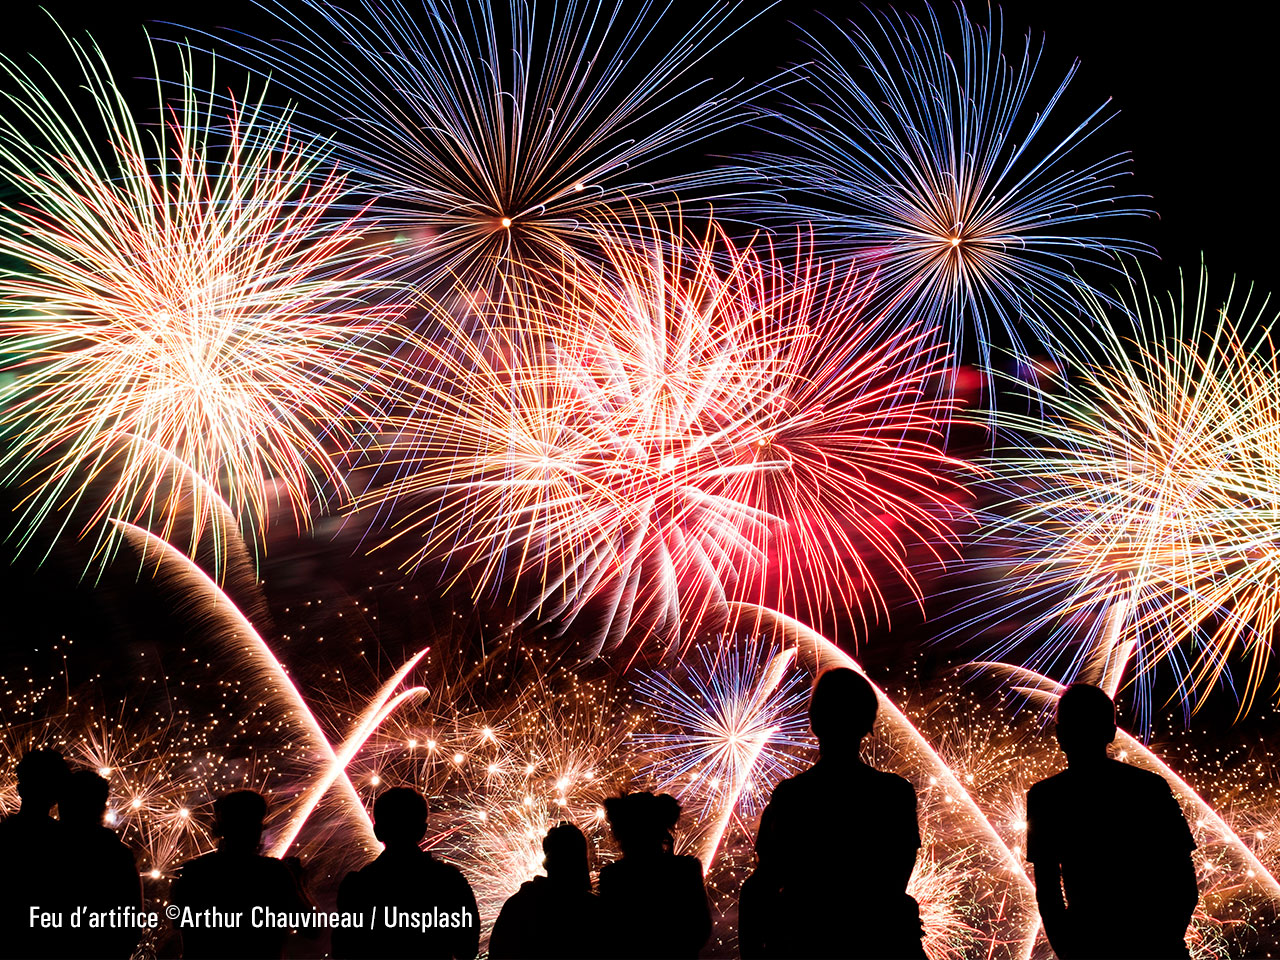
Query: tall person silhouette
[
  {"x": 1109, "y": 844},
  {"x": 655, "y": 904},
  {"x": 231, "y": 882},
  {"x": 836, "y": 846},
  {"x": 32, "y": 851},
  {"x": 413, "y": 905},
  {"x": 101, "y": 872}
]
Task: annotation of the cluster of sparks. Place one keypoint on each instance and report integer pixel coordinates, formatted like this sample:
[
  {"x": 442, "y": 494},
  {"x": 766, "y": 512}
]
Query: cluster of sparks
[
  {"x": 683, "y": 447},
  {"x": 185, "y": 324},
  {"x": 1141, "y": 511},
  {"x": 642, "y": 438}
]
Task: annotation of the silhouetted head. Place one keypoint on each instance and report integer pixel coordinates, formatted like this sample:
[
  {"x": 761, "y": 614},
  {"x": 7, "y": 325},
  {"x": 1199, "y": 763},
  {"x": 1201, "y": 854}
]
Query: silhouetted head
[
  {"x": 83, "y": 801},
  {"x": 41, "y": 774},
  {"x": 400, "y": 817},
  {"x": 642, "y": 822},
  {"x": 1086, "y": 721},
  {"x": 566, "y": 862},
  {"x": 238, "y": 817},
  {"x": 842, "y": 709}
]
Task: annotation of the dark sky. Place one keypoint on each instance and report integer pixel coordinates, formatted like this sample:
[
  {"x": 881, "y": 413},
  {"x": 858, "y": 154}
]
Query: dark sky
[{"x": 1194, "y": 93}]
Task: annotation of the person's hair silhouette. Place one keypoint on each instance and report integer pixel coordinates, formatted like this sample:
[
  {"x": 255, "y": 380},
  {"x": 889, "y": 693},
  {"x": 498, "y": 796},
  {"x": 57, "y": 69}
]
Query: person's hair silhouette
[
  {"x": 33, "y": 854},
  {"x": 400, "y": 817},
  {"x": 1095, "y": 814},
  {"x": 238, "y": 819},
  {"x": 556, "y": 915},
  {"x": 101, "y": 872},
  {"x": 840, "y": 891},
  {"x": 654, "y": 902},
  {"x": 41, "y": 774},
  {"x": 842, "y": 710},
  {"x": 233, "y": 880},
  {"x": 564, "y": 851},
  {"x": 405, "y": 880},
  {"x": 83, "y": 801}
]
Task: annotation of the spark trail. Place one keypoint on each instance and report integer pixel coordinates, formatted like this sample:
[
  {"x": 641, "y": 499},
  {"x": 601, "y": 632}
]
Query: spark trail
[{"x": 242, "y": 639}]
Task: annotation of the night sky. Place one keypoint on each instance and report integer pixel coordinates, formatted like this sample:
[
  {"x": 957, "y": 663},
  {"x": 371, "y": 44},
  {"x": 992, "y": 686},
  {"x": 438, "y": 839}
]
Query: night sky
[
  {"x": 1194, "y": 93},
  {"x": 1190, "y": 97},
  {"x": 1194, "y": 96}
]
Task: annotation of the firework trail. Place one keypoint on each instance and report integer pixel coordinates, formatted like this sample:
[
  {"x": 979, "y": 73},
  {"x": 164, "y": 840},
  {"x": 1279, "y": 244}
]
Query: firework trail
[
  {"x": 204, "y": 597},
  {"x": 379, "y": 709},
  {"x": 1140, "y": 515},
  {"x": 928, "y": 160},
  {"x": 183, "y": 298},
  {"x": 654, "y": 436},
  {"x": 494, "y": 137}
]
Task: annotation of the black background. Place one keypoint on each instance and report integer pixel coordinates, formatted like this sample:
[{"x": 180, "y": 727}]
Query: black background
[
  {"x": 1195, "y": 91},
  {"x": 1194, "y": 95}
]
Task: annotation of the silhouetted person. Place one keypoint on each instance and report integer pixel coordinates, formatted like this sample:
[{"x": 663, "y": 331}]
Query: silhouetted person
[
  {"x": 552, "y": 916},
  {"x": 31, "y": 859},
  {"x": 836, "y": 846},
  {"x": 231, "y": 882},
  {"x": 654, "y": 903},
  {"x": 405, "y": 881},
  {"x": 1110, "y": 847},
  {"x": 99, "y": 871}
]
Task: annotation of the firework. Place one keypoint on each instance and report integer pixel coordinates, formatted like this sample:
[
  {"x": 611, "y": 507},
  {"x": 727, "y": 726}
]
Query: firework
[
  {"x": 928, "y": 160},
  {"x": 186, "y": 321},
  {"x": 943, "y": 884},
  {"x": 494, "y": 137},
  {"x": 281, "y": 696},
  {"x": 724, "y": 733},
  {"x": 1139, "y": 514},
  {"x": 640, "y": 441},
  {"x": 499, "y": 776}
]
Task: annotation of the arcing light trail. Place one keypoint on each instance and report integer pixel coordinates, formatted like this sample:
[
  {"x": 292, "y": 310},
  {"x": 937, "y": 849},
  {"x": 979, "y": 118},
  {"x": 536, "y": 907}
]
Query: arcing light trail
[
  {"x": 200, "y": 590},
  {"x": 378, "y": 710}
]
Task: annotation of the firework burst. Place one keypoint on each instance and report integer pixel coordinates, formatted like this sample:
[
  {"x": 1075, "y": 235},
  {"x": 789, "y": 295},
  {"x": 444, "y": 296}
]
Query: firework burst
[
  {"x": 927, "y": 160},
  {"x": 494, "y": 136},
  {"x": 638, "y": 442},
  {"x": 1140, "y": 515},
  {"x": 729, "y": 733},
  {"x": 186, "y": 322}
]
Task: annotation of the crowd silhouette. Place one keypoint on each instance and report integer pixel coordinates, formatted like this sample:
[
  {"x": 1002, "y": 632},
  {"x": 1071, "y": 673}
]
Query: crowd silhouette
[{"x": 836, "y": 848}]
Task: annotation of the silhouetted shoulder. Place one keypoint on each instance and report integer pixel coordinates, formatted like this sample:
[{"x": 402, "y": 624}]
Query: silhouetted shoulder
[
  {"x": 690, "y": 866},
  {"x": 1069, "y": 813}
]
